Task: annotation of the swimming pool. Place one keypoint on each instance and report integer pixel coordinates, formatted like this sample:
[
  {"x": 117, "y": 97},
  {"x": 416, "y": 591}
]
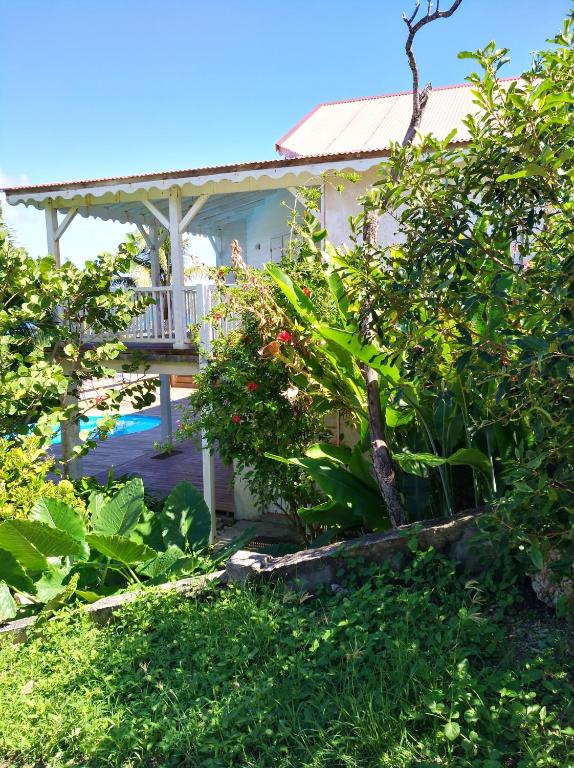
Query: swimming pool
[{"x": 125, "y": 425}]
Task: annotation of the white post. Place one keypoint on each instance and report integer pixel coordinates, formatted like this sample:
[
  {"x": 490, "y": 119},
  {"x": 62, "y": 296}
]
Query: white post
[
  {"x": 177, "y": 275},
  {"x": 208, "y": 462},
  {"x": 154, "y": 256},
  {"x": 51, "y": 230},
  {"x": 165, "y": 408}
]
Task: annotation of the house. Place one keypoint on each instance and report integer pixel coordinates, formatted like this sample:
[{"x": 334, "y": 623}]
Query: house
[{"x": 244, "y": 202}]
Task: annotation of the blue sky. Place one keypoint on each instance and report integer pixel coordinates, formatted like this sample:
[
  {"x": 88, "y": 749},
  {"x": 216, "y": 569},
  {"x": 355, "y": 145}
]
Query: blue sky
[{"x": 93, "y": 88}]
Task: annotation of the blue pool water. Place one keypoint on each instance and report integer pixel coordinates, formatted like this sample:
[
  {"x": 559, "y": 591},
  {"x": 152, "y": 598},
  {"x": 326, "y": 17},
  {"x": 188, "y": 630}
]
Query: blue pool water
[{"x": 125, "y": 425}]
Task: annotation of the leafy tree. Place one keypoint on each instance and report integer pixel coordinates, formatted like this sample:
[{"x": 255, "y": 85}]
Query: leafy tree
[{"x": 45, "y": 353}]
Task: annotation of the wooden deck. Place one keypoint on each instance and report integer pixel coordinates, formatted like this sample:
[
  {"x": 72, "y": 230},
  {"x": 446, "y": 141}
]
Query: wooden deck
[{"x": 135, "y": 455}]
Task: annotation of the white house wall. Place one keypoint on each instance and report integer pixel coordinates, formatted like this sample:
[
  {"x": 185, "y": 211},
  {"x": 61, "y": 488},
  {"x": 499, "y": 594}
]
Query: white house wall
[
  {"x": 268, "y": 221},
  {"x": 339, "y": 206}
]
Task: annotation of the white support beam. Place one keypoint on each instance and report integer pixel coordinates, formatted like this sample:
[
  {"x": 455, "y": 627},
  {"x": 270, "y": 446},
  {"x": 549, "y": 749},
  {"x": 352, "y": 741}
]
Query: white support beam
[
  {"x": 192, "y": 213},
  {"x": 51, "y": 229},
  {"x": 144, "y": 234},
  {"x": 67, "y": 220},
  {"x": 157, "y": 213},
  {"x": 177, "y": 270},
  {"x": 154, "y": 259},
  {"x": 208, "y": 463}
]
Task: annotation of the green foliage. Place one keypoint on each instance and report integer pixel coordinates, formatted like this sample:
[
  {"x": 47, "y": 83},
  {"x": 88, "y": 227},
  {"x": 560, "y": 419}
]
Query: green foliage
[
  {"x": 62, "y": 552},
  {"x": 472, "y": 345},
  {"x": 245, "y": 402},
  {"x": 23, "y": 472},
  {"x": 44, "y": 314},
  {"x": 402, "y": 670}
]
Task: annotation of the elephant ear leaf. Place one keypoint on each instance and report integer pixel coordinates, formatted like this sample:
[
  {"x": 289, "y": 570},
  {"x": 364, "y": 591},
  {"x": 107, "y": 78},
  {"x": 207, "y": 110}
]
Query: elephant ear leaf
[
  {"x": 120, "y": 548},
  {"x": 185, "y": 518},
  {"x": 8, "y": 606},
  {"x": 12, "y": 573},
  {"x": 120, "y": 515},
  {"x": 57, "y": 514},
  {"x": 31, "y": 542}
]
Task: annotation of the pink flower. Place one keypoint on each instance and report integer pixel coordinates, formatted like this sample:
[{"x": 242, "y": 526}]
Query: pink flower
[
  {"x": 252, "y": 386},
  {"x": 217, "y": 316},
  {"x": 284, "y": 336},
  {"x": 236, "y": 418}
]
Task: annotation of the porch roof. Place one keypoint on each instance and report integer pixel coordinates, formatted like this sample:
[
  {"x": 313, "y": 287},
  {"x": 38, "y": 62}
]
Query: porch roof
[{"x": 228, "y": 190}]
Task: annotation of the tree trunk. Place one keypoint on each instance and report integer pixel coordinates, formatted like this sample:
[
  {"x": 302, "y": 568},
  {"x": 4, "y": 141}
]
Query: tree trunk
[{"x": 382, "y": 462}]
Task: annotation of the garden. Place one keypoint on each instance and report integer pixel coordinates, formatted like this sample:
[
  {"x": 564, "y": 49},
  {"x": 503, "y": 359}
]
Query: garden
[{"x": 361, "y": 390}]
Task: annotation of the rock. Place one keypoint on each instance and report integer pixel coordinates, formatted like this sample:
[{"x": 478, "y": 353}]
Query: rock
[
  {"x": 547, "y": 588},
  {"x": 244, "y": 565},
  {"x": 312, "y": 568}
]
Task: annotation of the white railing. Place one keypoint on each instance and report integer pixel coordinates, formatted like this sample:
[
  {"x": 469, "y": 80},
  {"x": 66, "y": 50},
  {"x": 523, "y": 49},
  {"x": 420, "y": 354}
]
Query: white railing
[{"x": 156, "y": 323}]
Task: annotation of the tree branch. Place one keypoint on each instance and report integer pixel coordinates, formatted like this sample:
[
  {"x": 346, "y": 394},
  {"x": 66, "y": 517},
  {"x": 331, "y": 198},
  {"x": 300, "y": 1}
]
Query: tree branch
[{"x": 419, "y": 99}]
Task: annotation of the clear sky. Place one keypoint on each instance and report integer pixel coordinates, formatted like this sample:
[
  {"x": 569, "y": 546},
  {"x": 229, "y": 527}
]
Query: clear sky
[{"x": 95, "y": 88}]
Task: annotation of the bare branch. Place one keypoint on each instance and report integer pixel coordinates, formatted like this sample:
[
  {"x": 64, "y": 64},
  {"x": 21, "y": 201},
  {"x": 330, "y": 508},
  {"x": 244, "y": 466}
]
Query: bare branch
[{"x": 413, "y": 28}]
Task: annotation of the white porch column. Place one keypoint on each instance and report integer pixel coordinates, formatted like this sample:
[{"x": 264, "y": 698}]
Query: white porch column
[
  {"x": 177, "y": 276},
  {"x": 165, "y": 408},
  {"x": 208, "y": 462},
  {"x": 154, "y": 256},
  {"x": 51, "y": 229}
]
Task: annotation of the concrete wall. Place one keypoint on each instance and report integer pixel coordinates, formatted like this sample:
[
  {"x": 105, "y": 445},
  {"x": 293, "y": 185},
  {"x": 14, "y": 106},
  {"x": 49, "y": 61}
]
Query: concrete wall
[{"x": 270, "y": 220}]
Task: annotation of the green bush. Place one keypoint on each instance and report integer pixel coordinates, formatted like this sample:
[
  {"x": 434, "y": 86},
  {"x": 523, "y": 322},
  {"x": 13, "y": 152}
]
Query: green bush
[{"x": 24, "y": 468}]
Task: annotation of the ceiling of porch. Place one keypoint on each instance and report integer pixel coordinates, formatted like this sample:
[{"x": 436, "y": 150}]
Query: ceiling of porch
[{"x": 217, "y": 211}]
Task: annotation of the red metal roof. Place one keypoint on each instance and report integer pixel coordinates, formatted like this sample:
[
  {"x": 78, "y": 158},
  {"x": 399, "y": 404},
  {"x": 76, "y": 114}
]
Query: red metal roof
[{"x": 372, "y": 123}]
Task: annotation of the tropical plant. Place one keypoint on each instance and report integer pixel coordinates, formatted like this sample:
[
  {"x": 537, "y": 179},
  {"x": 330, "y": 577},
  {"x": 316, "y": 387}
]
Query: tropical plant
[
  {"x": 44, "y": 357},
  {"x": 62, "y": 552},
  {"x": 245, "y": 403}
]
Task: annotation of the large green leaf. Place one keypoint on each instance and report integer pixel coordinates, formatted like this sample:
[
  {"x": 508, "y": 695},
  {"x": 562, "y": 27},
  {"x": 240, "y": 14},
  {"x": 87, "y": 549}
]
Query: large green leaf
[
  {"x": 31, "y": 542},
  {"x": 344, "y": 488},
  {"x": 120, "y": 548},
  {"x": 470, "y": 457},
  {"x": 185, "y": 519},
  {"x": 162, "y": 562},
  {"x": 57, "y": 514},
  {"x": 51, "y": 584},
  {"x": 299, "y": 301},
  {"x": 332, "y": 514},
  {"x": 121, "y": 514},
  {"x": 368, "y": 353},
  {"x": 13, "y": 574},
  {"x": 8, "y": 607}
]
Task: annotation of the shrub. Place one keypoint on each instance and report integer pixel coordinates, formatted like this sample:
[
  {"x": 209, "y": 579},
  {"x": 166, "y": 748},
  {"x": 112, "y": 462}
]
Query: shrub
[{"x": 24, "y": 469}]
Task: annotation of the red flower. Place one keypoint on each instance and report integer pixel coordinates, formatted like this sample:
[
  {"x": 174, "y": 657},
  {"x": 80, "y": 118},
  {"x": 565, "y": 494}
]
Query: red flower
[
  {"x": 252, "y": 386},
  {"x": 217, "y": 316},
  {"x": 284, "y": 336},
  {"x": 236, "y": 418},
  {"x": 306, "y": 291}
]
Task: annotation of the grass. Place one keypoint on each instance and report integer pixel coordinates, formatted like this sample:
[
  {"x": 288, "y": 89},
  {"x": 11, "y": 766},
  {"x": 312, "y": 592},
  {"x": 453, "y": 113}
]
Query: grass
[{"x": 411, "y": 671}]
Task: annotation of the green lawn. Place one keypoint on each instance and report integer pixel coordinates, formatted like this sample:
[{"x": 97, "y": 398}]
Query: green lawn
[{"x": 421, "y": 670}]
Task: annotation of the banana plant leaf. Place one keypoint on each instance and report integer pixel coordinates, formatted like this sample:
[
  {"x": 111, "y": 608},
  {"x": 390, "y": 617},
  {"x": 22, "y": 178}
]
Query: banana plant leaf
[
  {"x": 471, "y": 457},
  {"x": 343, "y": 488}
]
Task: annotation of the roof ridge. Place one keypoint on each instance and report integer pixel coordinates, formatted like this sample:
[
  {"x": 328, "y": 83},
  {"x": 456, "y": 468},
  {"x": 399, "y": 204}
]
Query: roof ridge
[{"x": 402, "y": 93}]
